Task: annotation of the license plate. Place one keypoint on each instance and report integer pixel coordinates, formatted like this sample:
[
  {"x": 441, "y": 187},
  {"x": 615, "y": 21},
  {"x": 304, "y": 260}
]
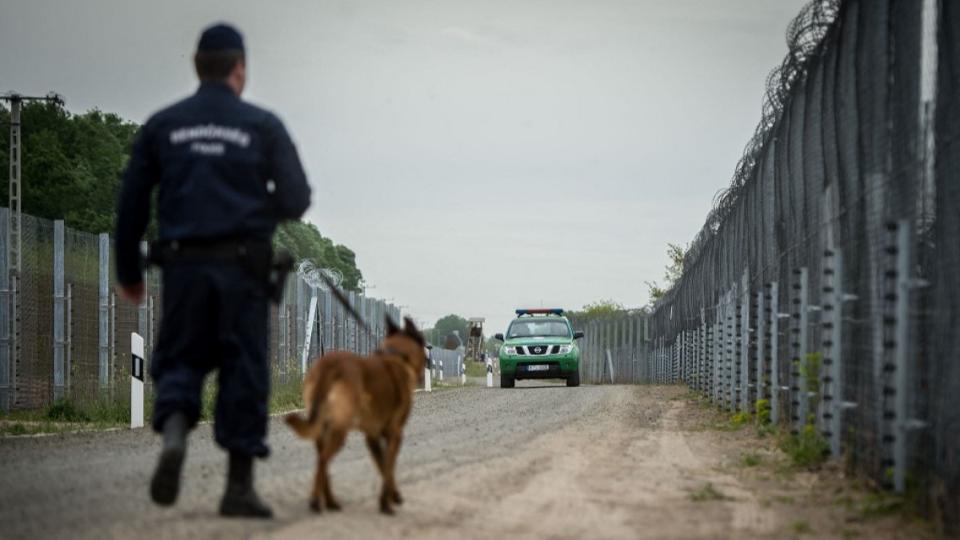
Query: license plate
[{"x": 538, "y": 368}]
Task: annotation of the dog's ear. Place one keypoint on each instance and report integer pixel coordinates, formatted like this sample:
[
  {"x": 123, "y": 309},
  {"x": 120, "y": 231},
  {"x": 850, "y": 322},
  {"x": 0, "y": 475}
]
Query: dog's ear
[
  {"x": 410, "y": 328},
  {"x": 392, "y": 327}
]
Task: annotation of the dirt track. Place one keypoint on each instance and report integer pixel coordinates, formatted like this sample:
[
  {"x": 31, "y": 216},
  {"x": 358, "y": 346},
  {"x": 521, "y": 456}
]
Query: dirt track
[{"x": 533, "y": 462}]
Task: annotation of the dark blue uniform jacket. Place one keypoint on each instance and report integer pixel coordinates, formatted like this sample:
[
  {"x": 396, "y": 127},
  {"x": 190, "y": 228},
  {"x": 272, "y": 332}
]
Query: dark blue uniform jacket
[{"x": 225, "y": 168}]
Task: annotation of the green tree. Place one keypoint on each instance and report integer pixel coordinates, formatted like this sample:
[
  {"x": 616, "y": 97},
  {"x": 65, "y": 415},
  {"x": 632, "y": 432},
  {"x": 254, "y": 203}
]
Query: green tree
[
  {"x": 597, "y": 310},
  {"x": 602, "y": 308},
  {"x": 492, "y": 346},
  {"x": 672, "y": 273},
  {"x": 72, "y": 164},
  {"x": 446, "y": 326}
]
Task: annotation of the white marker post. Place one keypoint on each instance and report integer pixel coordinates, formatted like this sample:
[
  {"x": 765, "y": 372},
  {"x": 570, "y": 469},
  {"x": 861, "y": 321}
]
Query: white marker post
[
  {"x": 463, "y": 371},
  {"x": 136, "y": 380},
  {"x": 427, "y": 374},
  {"x": 489, "y": 373},
  {"x": 441, "y": 370},
  {"x": 610, "y": 365}
]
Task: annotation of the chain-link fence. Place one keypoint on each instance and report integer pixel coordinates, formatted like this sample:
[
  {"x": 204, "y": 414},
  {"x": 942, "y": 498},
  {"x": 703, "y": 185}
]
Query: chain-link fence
[
  {"x": 65, "y": 335},
  {"x": 825, "y": 284}
]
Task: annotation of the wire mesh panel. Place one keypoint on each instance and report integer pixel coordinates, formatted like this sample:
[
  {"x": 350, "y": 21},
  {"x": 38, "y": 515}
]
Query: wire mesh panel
[
  {"x": 35, "y": 290},
  {"x": 82, "y": 266}
]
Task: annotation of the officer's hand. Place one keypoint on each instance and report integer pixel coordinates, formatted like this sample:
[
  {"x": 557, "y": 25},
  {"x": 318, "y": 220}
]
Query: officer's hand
[{"x": 133, "y": 293}]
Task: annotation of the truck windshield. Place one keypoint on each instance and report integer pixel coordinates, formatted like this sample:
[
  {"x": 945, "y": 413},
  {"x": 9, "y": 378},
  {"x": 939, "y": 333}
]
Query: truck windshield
[{"x": 538, "y": 328}]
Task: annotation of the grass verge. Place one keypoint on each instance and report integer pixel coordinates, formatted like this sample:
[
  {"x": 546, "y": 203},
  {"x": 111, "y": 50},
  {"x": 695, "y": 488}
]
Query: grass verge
[{"x": 66, "y": 416}]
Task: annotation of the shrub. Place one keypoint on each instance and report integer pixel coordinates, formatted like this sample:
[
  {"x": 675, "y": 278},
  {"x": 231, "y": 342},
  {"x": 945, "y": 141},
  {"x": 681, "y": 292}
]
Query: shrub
[
  {"x": 66, "y": 411},
  {"x": 763, "y": 411},
  {"x": 807, "y": 449}
]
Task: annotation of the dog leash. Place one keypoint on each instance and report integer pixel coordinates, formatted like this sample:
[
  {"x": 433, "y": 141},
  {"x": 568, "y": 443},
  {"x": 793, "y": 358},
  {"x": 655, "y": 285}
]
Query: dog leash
[{"x": 342, "y": 299}]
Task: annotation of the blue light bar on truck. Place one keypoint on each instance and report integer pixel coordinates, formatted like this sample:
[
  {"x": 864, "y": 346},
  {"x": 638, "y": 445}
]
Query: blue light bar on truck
[{"x": 540, "y": 311}]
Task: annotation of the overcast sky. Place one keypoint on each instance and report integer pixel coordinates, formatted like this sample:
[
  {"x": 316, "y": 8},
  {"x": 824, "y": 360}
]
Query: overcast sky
[{"x": 477, "y": 155}]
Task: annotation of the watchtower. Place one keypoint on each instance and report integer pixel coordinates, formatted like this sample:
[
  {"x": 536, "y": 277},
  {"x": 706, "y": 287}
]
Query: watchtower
[{"x": 474, "y": 337}]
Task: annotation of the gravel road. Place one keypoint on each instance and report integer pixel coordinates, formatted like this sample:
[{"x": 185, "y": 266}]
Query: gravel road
[
  {"x": 95, "y": 485},
  {"x": 537, "y": 461}
]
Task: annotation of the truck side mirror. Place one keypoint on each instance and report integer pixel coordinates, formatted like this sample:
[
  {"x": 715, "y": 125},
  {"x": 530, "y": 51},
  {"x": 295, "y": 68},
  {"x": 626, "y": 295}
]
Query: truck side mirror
[
  {"x": 577, "y": 335},
  {"x": 498, "y": 337}
]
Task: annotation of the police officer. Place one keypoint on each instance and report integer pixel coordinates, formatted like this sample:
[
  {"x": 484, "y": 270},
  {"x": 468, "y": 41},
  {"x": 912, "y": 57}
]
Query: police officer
[{"x": 227, "y": 173}]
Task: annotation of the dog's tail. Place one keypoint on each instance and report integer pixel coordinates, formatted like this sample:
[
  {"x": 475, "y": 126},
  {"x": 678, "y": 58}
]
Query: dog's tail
[
  {"x": 300, "y": 425},
  {"x": 312, "y": 426}
]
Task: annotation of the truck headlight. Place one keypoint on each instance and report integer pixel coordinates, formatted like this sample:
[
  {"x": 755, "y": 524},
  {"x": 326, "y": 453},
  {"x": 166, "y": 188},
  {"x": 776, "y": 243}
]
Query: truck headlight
[
  {"x": 510, "y": 350},
  {"x": 565, "y": 349}
]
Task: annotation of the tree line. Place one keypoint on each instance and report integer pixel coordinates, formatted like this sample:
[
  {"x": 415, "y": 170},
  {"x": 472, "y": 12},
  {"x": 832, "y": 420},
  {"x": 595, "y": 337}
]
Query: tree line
[{"x": 72, "y": 166}]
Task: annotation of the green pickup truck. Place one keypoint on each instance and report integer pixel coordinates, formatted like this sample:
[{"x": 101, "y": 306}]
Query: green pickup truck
[{"x": 539, "y": 344}]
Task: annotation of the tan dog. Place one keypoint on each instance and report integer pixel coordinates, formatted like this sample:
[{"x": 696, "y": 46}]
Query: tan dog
[{"x": 372, "y": 394}]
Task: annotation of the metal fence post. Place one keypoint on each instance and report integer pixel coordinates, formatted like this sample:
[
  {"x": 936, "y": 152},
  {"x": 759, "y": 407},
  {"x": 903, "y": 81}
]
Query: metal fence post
[
  {"x": 662, "y": 361},
  {"x": 717, "y": 351},
  {"x": 103, "y": 315},
  {"x": 702, "y": 360},
  {"x": 614, "y": 346},
  {"x": 898, "y": 349},
  {"x": 594, "y": 350},
  {"x": 798, "y": 384},
  {"x": 731, "y": 351},
  {"x": 760, "y": 374},
  {"x": 59, "y": 311},
  {"x": 68, "y": 339},
  {"x": 676, "y": 357},
  {"x": 327, "y": 322},
  {"x": 707, "y": 377},
  {"x": 631, "y": 349},
  {"x": 773, "y": 325},
  {"x": 833, "y": 391},
  {"x": 745, "y": 344},
  {"x": 6, "y": 344},
  {"x": 684, "y": 354},
  {"x": 112, "y": 367}
]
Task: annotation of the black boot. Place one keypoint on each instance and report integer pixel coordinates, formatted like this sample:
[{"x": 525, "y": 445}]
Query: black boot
[
  {"x": 240, "y": 499},
  {"x": 166, "y": 479}
]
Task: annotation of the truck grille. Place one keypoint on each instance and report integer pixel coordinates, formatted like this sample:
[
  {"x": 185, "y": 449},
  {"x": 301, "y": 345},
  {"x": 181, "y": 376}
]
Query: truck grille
[{"x": 536, "y": 350}]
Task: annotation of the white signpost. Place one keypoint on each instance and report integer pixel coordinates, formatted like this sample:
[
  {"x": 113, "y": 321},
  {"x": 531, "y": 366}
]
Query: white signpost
[
  {"x": 136, "y": 380},
  {"x": 489, "y": 373}
]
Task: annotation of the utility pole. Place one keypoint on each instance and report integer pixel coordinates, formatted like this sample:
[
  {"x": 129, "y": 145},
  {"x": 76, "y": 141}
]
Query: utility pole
[{"x": 10, "y": 284}]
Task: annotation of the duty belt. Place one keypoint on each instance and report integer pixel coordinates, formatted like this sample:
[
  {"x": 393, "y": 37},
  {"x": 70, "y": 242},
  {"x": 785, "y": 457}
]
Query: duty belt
[
  {"x": 255, "y": 255},
  {"x": 218, "y": 250}
]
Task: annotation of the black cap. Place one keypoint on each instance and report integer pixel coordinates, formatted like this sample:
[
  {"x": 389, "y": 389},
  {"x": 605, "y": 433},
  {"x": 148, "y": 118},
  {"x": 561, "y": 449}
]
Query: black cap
[{"x": 220, "y": 37}]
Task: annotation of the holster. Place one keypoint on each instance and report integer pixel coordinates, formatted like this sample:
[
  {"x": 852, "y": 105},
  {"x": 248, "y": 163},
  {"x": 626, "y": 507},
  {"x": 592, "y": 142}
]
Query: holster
[{"x": 280, "y": 266}]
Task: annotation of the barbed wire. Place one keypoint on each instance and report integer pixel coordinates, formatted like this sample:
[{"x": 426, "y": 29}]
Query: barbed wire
[
  {"x": 311, "y": 274},
  {"x": 805, "y": 37}
]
